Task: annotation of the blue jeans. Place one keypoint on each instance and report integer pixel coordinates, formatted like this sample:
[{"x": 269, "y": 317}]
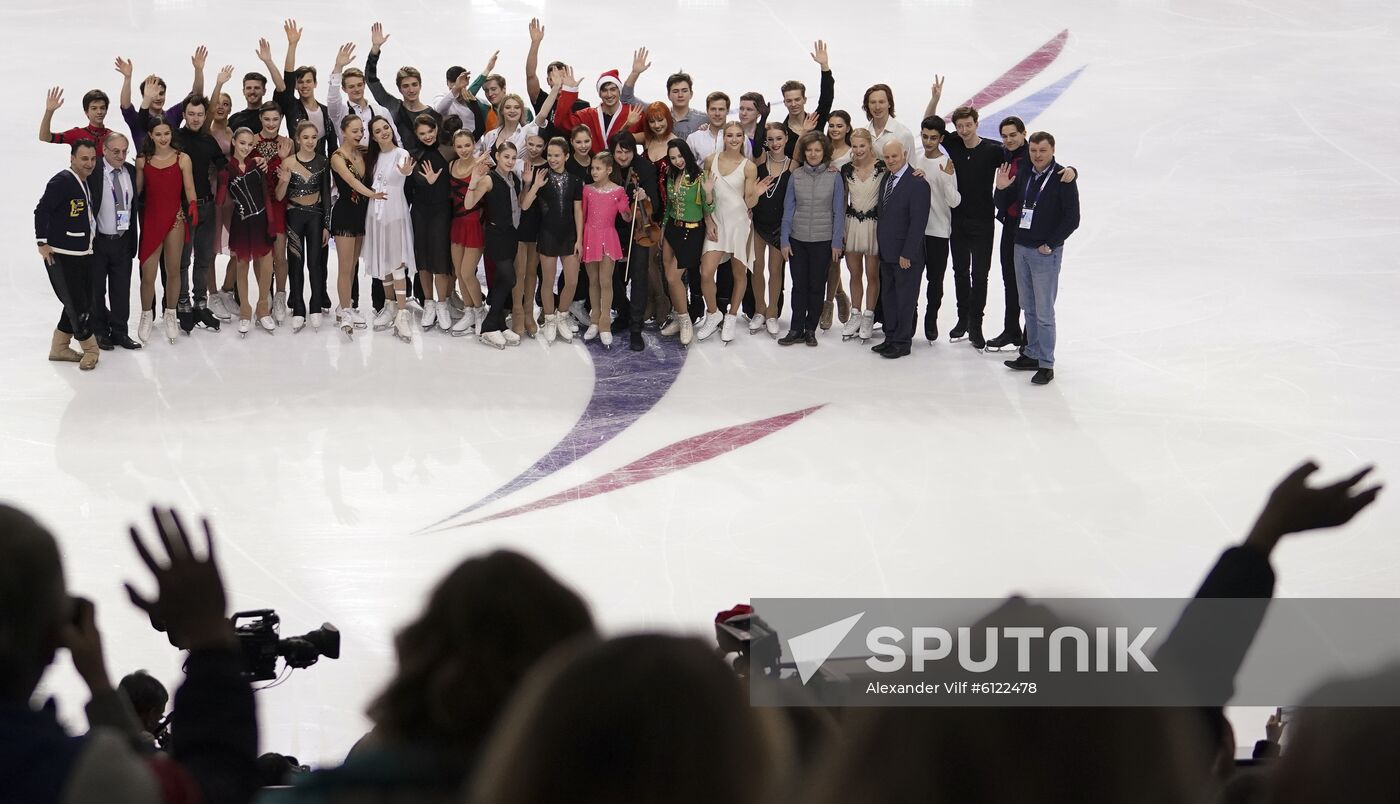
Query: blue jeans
[{"x": 1037, "y": 283}]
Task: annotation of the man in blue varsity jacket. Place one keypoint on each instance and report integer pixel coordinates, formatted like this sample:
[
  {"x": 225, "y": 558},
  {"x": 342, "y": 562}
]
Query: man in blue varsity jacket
[
  {"x": 63, "y": 227},
  {"x": 1049, "y": 213}
]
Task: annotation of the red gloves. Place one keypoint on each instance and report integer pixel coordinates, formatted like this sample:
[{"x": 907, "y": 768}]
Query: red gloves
[{"x": 192, "y": 214}]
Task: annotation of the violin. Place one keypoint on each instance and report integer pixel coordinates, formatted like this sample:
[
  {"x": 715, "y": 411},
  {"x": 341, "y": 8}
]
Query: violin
[{"x": 649, "y": 234}]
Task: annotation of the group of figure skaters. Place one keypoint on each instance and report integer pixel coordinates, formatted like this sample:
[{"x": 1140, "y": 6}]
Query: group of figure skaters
[{"x": 583, "y": 220}]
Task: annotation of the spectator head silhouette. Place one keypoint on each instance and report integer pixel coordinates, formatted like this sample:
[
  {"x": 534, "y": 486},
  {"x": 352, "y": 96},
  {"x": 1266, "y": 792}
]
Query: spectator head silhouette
[
  {"x": 34, "y": 603},
  {"x": 485, "y": 625},
  {"x": 644, "y": 719}
]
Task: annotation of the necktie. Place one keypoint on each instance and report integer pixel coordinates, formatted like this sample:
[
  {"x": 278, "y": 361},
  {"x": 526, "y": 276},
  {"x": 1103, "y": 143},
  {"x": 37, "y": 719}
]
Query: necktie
[
  {"x": 889, "y": 186},
  {"x": 119, "y": 193}
]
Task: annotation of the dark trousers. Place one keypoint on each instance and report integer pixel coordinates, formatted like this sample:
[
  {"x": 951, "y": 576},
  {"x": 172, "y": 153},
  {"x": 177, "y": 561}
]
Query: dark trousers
[
  {"x": 971, "y": 248},
  {"x": 1012, "y": 322},
  {"x": 935, "y": 266},
  {"x": 631, "y": 307},
  {"x": 498, "y": 295},
  {"x": 110, "y": 270},
  {"x": 899, "y": 300},
  {"x": 304, "y": 228},
  {"x": 200, "y": 247},
  {"x": 808, "y": 265},
  {"x": 71, "y": 279}
]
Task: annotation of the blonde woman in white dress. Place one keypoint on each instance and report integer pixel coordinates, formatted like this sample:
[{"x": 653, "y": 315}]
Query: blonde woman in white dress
[
  {"x": 731, "y": 185},
  {"x": 862, "y": 176},
  {"x": 388, "y": 244}
]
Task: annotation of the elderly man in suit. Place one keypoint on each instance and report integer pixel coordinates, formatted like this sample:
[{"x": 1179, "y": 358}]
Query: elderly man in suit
[
  {"x": 114, "y": 208},
  {"x": 903, "y": 210}
]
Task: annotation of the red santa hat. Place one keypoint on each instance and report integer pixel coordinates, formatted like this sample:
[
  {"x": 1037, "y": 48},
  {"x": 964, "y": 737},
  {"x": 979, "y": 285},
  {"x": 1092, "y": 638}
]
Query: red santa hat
[{"x": 609, "y": 77}]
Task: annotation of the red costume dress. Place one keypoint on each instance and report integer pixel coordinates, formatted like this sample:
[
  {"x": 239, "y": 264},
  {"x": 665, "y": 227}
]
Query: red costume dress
[
  {"x": 466, "y": 223},
  {"x": 161, "y": 205},
  {"x": 276, "y": 210}
]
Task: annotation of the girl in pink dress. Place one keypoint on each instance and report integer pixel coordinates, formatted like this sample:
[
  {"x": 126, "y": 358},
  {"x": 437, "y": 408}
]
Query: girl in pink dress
[{"x": 603, "y": 202}]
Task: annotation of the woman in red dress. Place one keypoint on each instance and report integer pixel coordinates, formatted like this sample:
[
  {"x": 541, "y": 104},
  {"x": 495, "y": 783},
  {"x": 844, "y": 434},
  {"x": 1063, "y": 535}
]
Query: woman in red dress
[
  {"x": 468, "y": 238},
  {"x": 166, "y": 182}
]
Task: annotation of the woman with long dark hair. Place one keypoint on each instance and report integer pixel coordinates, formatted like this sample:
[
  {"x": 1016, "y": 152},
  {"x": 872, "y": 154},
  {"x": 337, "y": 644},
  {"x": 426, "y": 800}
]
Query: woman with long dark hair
[
  {"x": 684, "y": 224},
  {"x": 430, "y": 200},
  {"x": 838, "y": 131},
  {"x": 388, "y": 246},
  {"x": 165, "y": 180},
  {"x": 773, "y": 173}
]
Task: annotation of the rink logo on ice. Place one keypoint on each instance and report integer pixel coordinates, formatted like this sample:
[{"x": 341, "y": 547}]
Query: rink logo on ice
[{"x": 629, "y": 384}]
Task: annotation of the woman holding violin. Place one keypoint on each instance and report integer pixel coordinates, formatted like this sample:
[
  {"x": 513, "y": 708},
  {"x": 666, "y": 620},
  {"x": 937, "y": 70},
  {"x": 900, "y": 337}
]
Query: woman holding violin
[{"x": 638, "y": 237}]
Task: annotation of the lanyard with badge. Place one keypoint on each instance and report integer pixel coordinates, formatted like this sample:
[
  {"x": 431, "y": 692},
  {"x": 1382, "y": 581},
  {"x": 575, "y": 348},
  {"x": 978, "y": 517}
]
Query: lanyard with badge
[
  {"x": 1028, "y": 205},
  {"x": 120, "y": 205}
]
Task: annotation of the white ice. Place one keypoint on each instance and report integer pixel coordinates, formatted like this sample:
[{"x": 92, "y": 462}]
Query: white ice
[{"x": 1226, "y": 310}]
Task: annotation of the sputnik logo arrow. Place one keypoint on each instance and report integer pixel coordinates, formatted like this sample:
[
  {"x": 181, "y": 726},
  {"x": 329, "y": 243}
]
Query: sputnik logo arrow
[{"x": 810, "y": 651}]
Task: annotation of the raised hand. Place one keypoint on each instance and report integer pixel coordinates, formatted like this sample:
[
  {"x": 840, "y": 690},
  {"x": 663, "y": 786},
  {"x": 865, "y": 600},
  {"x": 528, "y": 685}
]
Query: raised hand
[
  {"x": 377, "y": 37},
  {"x": 345, "y": 55},
  {"x": 819, "y": 55},
  {"x": 937, "y": 91},
  {"x": 124, "y": 67},
  {"x": 536, "y": 31},
  {"x": 810, "y": 123},
  {"x": 1273, "y": 727},
  {"x": 284, "y": 172},
  {"x": 429, "y": 173},
  {"x": 406, "y": 166},
  {"x": 190, "y": 601},
  {"x": 54, "y": 99},
  {"x": 1294, "y": 506},
  {"x": 491, "y": 62},
  {"x": 150, "y": 88},
  {"x": 201, "y": 55},
  {"x": 264, "y": 50},
  {"x": 1004, "y": 176},
  {"x": 709, "y": 177},
  {"x": 480, "y": 169},
  {"x": 634, "y": 116},
  {"x": 292, "y": 30},
  {"x": 541, "y": 176},
  {"x": 641, "y": 60},
  {"x": 766, "y": 182},
  {"x": 225, "y": 73}
]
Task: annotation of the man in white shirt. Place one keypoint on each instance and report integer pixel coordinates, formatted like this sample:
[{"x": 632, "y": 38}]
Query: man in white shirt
[
  {"x": 879, "y": 109},
  {"x": 352, "y": 100},
  {"x": 114, "y": 200},
  {"x": 938, "y": 170},
  {"x": 709, "y": 138}
]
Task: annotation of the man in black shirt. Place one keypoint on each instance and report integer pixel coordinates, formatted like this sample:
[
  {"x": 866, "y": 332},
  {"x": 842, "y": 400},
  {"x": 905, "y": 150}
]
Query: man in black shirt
[
  {"x": 206, "y": 159},
  {"x": 633, "y": 174},
  {"x": 976, "y": 161},
  {"x": 410, "y": 83},
  {"x": 254, "y": 88},
  {"x": 554, "y": 75}
]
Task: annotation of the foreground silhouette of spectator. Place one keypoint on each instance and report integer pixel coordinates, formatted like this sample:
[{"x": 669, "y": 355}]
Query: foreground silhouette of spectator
[
  {"x": 1343, "y": 754},
  {"x": 486, "y": 624},
  {"x": 645, "y": 719},
  {"x": 1028, "y": 755},
  {"x": 212, "y": 758}
]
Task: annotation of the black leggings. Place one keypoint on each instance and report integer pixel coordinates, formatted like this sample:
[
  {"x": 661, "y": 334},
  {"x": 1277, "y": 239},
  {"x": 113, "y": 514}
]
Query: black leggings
[
  {"x": 304, "y": 230},
  {"x": 500, "y": 246}
]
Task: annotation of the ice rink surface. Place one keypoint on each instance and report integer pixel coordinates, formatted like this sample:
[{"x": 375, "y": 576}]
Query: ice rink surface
[{"x": 1227, "y": 308}]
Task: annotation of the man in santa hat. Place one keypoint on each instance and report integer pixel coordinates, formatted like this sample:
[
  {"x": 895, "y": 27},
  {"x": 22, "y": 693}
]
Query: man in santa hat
[{"x": 604, "y": 121}]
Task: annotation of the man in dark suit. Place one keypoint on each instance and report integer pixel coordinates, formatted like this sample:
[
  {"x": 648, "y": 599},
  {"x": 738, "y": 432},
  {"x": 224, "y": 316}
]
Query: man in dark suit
[
  {"x": 63, "y": 228},
  {"x": 1049, "y": 214},
  {"x": 903, "y": 213},
  {"x": 115, "y": 207}
]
